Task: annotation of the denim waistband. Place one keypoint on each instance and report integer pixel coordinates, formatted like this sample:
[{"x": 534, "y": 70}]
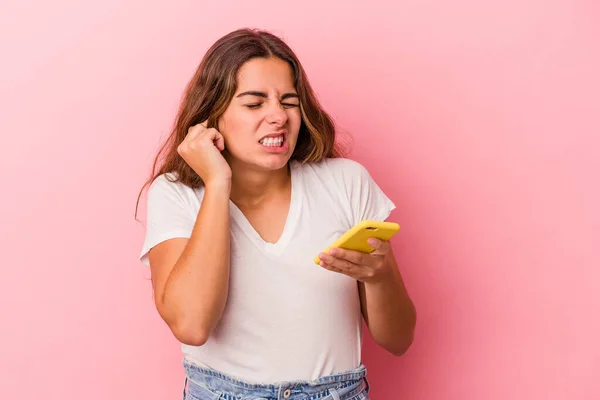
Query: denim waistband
[{"x": 209, "y": 384}]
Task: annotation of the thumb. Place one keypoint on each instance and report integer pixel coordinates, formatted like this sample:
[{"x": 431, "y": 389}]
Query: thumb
[
  {"x": 380, "y": 246},
  {"x": 218, "y": 139}
]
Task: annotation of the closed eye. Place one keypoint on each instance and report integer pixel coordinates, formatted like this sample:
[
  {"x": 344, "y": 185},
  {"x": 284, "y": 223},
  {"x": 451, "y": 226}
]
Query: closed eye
[{"x": 286, "y": 105}]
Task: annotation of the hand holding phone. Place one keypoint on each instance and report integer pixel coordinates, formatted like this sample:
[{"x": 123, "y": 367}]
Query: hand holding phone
[{"x": 356, "y": 237}]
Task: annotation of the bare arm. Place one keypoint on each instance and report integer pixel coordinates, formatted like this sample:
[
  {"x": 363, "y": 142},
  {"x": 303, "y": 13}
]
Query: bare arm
[
  {"x": 388, "y": 310},
  {"x": 190, "y": 277}
]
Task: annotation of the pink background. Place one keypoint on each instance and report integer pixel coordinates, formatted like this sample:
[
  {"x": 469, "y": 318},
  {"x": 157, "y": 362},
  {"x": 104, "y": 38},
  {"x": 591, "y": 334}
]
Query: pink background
[{"x": 480, "y": 119}]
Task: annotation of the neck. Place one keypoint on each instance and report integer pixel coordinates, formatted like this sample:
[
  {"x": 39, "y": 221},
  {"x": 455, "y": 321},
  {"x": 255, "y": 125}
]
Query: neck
[{"x": 250, "y": 187}]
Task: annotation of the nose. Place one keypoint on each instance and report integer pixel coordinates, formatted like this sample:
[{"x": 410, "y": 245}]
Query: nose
[{"x": 276, "y": 115}]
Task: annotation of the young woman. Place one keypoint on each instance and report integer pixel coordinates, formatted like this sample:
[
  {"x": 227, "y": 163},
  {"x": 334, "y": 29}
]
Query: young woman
[{"x": 249, "y": 189}]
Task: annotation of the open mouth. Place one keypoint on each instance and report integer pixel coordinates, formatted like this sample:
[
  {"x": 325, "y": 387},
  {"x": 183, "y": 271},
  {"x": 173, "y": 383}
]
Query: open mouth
[{"x": 274, "y": 141}]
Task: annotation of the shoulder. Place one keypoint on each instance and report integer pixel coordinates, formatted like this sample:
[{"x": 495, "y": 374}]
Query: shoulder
[
  {"x": 166, "y": 187},
  {"x": 167, "y": 181},
  {"x": 340, "y": 175},
  {"x": 337, "y": 167}
]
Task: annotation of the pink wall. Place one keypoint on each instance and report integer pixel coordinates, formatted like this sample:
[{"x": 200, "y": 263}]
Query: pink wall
[{"x": 481, "y": 120}]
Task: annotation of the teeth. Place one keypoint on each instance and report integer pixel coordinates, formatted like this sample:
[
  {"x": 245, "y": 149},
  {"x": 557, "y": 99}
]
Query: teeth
[{"x": 272, "y": 141}]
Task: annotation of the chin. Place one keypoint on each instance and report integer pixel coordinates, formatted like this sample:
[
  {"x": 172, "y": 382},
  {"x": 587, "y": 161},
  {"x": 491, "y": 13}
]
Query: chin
[{"x": 273, "y": 163}]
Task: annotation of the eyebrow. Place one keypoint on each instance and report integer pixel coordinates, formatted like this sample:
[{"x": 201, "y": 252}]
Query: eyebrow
[{"x": 264, "y": 95}]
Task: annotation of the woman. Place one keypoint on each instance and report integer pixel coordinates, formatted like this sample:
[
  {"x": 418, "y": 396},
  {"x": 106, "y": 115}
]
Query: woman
[{"x": 250, "y": 189}]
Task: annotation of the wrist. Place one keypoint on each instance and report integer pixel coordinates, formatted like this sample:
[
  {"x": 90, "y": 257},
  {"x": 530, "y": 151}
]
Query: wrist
[
  {"x": 218, "y": 186},
  {"x": 386, "y": 275}
]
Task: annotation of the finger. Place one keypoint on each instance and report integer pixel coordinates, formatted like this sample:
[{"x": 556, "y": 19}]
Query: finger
[
  {"x": 215, "y": 137},
  {"x": 355, "y": 257},
  {"x": 357, "y": 274},
  {"x": 380, "y": 246},
  {"x": 339, "y": 263},
  {"x": 220, "y": 142},
  {"x": 194, "y": 131},
  {"x": 330, "y": 267}
]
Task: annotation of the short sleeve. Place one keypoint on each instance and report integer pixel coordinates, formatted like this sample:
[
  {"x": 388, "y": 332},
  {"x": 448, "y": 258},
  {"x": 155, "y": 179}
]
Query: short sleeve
[
  {"x": 367, "y": 200},
  {"x": 169, "y": 214}
]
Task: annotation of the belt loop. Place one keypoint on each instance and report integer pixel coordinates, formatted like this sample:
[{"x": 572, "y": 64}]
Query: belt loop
[
  {"x": 367, "y": 386},
  {"x": 334, "y": 394}
]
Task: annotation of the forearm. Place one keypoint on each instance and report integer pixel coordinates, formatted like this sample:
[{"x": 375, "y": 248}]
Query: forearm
[
  {"x": 196, "y": 290},
  {"x": 389, "y": 312}
]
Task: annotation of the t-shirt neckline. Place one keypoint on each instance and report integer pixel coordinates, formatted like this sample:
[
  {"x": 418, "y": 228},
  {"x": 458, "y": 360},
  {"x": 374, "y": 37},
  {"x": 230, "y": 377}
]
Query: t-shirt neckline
[{"x": 290, "y": 223}]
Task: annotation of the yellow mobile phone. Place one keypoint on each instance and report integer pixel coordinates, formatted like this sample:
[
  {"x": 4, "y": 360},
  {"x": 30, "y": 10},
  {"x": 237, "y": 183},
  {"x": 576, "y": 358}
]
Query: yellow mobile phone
[{"x": 356, "y": 237}]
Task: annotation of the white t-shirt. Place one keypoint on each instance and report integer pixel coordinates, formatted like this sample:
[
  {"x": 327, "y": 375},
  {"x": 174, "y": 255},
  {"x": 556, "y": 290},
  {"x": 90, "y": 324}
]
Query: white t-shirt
[{"x": 286, "y": 318}]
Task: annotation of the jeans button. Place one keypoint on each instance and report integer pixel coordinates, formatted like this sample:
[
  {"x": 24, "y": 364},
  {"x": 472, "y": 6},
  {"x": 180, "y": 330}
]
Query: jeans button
[{"x": 287, "y": 393}]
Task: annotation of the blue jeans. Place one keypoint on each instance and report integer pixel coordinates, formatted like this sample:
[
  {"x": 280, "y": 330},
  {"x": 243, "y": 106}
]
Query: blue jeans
[{"x": 206, "y": 384}]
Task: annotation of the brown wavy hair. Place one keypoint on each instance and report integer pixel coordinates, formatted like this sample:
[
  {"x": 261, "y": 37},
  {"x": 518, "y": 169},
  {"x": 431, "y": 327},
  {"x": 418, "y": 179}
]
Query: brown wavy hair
[{"x": 211, "y": 89}]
